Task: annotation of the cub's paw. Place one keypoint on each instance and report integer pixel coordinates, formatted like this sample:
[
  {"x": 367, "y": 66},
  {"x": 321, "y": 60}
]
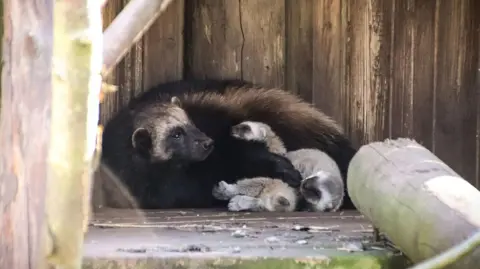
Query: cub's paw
[
  {"x": 242, "y": 203},
  {"x": 223, "y": 191}
]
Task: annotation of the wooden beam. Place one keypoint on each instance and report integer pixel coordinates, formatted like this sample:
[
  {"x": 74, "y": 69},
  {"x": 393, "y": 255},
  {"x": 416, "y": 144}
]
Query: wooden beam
[
  {"x": 24, "y": 125},
  {"x": 419, "y": 202},
  {"x": 76, "y": 81},
  {"x": 127, "y": 28}
]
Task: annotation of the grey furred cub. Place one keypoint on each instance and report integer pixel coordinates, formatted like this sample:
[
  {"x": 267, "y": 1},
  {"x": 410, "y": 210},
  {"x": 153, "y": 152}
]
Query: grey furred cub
[
  {"x": 322, "y": 185},
  {"x": 257, "y": 194}
]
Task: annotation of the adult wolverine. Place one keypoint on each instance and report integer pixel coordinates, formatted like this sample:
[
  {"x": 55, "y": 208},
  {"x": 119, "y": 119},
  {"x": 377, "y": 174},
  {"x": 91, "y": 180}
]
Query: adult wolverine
[{"x": 173, "y": 143}]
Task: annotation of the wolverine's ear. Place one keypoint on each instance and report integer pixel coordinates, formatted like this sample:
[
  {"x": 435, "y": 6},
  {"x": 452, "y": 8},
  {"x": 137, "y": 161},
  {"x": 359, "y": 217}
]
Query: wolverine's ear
[
  {"x": 176, "y": 101},
  {"x": 141, "y": 140}
]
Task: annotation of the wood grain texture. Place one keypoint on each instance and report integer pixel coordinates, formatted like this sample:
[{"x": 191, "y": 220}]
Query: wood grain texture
[
  {"x": 163, "y": 47},
  {"x": 263, "y": 31},
  {"x": 329, "y": 62},
  {"x": 213, "y": 39},
  {"x": 368, "y": 66},
  {"x": 413, "y": 73},
  {"x": 236, "y": 39},
  {"x": 25, "y": 125},
  {"x": 455, "y": 94},
  {"x": 299, "y": 48}
]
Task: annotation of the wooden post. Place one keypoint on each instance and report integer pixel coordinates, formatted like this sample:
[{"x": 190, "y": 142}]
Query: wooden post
[
  {"x": 420, "y": 203},
  {"x": 127, "y": 28},
  {"x": 24, "y": 125},
  {"x": 76, "y": 73}
]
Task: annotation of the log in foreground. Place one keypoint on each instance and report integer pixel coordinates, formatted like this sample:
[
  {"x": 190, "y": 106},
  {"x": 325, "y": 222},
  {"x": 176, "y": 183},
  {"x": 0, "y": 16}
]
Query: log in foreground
[
  {"x": 24, "y": 136},
  {"x": 419, "y": 202},
  {"x": 127, "y": 28},
  {"x": 452, "y": 255},
  {"x": 76, "y": 83}
]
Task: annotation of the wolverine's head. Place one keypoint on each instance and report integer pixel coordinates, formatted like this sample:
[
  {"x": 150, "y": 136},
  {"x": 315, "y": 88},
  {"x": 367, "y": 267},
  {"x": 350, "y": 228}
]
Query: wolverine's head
[{"x": 164, "y": 132}]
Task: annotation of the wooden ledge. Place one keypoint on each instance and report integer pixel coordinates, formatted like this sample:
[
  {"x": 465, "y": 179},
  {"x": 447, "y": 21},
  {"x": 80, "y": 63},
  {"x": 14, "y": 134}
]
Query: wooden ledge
[{"x": 218, "y": 239}]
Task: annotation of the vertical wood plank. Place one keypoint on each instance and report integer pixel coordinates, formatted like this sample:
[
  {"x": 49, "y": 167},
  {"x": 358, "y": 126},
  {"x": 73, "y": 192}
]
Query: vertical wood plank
[
  {"x": 424, "y": 71},
  {"x": 25, "y": 125},
  {"x": 213, "y": 39},
  {"x": 236, "y": 39},
  {"x": 163, "y": 47},
  {"x": 368, "y": 68},
  {"x": 413, "y": 72},
  {"x": 263, "y": 29},
  {"x": 329, "y": 39},
  {"x": 401, "y": 106},
  {"x": 299, "y": 48},
  {"x": 455, "y": 97}
]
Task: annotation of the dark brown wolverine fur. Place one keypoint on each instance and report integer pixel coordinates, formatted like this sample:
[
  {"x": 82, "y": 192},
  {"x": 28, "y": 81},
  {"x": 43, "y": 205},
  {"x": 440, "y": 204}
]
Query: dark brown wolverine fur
[
  {"x": 163, "y": 160},
  {"x": 214, "y": 107},
  {"x": 217, "y": 105}
]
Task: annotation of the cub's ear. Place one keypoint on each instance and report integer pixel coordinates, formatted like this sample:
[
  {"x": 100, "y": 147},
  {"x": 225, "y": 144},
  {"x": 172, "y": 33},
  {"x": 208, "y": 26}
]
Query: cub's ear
[
  {"x": 176, "y": 101},
  {"x": 141, "y": 140}
]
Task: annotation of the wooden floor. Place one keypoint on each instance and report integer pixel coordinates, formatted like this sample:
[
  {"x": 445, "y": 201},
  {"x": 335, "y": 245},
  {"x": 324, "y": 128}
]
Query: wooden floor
[{"x": 216, "y": 233}]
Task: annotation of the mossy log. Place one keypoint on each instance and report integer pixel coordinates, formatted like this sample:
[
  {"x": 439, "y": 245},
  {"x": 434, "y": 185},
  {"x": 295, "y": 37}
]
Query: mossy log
[
  {"x": 76, "y": 84},
  {"x": 419, "y": 202}
]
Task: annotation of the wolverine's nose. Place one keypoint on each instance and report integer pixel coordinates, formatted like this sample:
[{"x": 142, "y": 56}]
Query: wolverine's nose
[{"x": 207, "y": 144}]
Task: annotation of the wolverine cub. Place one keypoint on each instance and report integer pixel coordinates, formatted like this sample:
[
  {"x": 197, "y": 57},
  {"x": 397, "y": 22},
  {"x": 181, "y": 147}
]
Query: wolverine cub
[
  {"x": 257, "y": 194},
  {"x": 322, "y": 186}
]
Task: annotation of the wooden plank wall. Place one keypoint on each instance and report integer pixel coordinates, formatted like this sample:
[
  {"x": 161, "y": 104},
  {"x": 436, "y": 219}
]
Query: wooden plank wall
[{"x": 382, "y": 68}]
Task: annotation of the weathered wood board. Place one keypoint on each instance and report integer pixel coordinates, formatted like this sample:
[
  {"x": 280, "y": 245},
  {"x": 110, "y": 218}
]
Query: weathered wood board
[{"x": 222, "y": 239}]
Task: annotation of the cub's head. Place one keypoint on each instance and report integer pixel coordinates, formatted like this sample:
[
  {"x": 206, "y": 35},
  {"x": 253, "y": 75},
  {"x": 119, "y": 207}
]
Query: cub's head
[
  {"x": 323, "y": 191},
  {"x": 164, "y": 132},
  {"x": 251, "y": 131}
]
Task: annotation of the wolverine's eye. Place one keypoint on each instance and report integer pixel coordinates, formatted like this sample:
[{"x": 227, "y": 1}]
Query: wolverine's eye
[{"x": 177, "y": 133}]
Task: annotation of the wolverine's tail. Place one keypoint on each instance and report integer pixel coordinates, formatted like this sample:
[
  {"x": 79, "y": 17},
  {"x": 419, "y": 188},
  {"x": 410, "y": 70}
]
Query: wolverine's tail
[{"x": 296, "y": 122}]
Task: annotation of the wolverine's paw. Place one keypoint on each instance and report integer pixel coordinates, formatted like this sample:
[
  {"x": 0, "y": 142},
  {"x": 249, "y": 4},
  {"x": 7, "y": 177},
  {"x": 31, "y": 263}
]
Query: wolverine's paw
[
  {"x": 242, "y": 203},
  {"x": 223, "y": 191}
]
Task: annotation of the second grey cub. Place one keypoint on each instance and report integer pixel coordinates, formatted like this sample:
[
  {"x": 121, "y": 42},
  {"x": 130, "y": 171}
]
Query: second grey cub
[{"x": 322, "y": 185}]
